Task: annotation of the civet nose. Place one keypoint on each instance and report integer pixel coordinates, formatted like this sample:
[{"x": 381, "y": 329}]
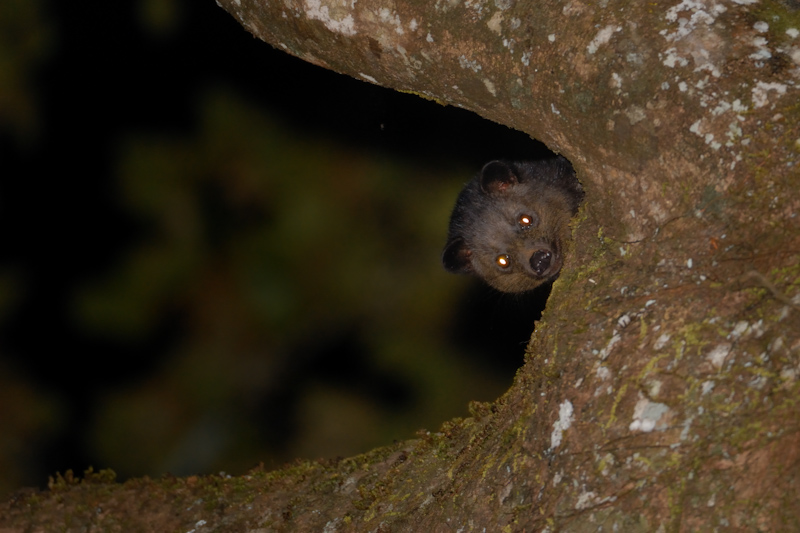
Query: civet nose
[{"x": 541, "y": 261}]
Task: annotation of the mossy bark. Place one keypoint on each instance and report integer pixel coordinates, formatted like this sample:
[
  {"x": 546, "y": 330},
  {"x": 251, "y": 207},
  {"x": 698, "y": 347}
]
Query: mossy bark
[{"x": 660, "y": 391}]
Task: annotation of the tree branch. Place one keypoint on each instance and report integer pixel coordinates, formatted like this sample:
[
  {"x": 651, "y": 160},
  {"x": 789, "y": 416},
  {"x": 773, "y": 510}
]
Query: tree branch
[{"x": 655, "y": 396}]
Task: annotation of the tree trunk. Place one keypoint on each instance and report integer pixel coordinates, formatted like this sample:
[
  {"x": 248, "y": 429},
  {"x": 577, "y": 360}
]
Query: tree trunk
[{"x": 660, "y": 391}]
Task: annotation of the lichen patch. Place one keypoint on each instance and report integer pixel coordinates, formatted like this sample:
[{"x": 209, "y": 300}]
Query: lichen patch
[
  {"x": 332, "y": 15},
  {"x": 565, "y": 418},
  {"x": 761, "y": 92},
  {"x": 646, "y": 414},
  {"x": 603, "y": 36},
  {"x": 718, "y": 354}
]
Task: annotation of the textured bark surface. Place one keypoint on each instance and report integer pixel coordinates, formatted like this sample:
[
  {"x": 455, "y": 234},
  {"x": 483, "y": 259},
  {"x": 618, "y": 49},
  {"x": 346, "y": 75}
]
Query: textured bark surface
[{"x": 660, "y": 392}]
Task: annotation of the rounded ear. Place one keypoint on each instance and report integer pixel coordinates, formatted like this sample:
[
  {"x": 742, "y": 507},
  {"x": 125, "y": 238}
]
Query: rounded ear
[
  {"x": 568, "y": 180},
  {"x": 496, "y": 177},
  {"x": 456, "y": 257}
]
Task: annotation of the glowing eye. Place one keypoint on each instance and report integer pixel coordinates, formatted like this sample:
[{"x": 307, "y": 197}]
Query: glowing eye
[
  {"x": 525, "y": 220},
  {"x": 503, "y": 261}
]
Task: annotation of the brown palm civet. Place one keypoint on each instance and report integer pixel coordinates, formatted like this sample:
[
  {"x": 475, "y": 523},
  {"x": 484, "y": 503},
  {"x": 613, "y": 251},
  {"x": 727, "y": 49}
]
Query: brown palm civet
[{"x": 510, "y": 223}]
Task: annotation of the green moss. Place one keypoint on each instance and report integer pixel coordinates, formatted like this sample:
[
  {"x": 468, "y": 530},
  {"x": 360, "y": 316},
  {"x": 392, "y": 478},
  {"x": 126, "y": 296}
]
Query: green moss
[
  {"x": 651, "y": 365},
  {"x": 63, "y": 482},
  {"x": 642, "y": 328},
  {"x": 612, "y": 416},
  {"x": 425, "y": 96},
  {"x": 779, "y": 17}
]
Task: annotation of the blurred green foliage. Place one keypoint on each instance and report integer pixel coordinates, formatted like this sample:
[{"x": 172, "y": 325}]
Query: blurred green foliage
[
  {"x": 25, "y": 40},
  {"x": 262, "y": 239},
  {"x": 159, "y": 17},
  {"x": 298, "y": 277},
  {"x": 28, "y": 417}
]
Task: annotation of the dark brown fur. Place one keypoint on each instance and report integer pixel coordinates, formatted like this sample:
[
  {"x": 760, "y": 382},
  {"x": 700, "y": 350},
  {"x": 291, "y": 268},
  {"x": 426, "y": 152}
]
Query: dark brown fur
[{"x": 511, "y": 222}]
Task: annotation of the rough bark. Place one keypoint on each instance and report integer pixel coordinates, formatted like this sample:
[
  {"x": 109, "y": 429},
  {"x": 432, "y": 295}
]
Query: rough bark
[{"x": 660, "y": 392}]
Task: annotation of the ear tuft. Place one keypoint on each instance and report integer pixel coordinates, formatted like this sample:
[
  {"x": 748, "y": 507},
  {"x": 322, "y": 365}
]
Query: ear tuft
[{"x": 456, "y": 257}]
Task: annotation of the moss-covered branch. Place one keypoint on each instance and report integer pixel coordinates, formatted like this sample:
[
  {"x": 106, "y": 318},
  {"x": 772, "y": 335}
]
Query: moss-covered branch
[{"x": 660, "y": 392}]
